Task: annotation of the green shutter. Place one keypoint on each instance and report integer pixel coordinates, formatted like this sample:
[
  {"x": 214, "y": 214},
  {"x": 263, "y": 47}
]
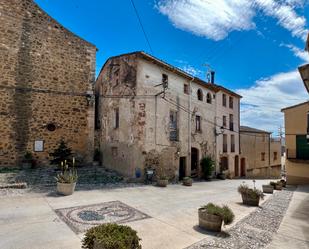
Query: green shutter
[{"x": 302, "y": 147}]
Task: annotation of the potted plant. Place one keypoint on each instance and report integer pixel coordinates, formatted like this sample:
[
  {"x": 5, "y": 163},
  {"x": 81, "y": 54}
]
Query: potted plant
[
  {"x": 269, "y": 189},
  {"x": 66, "y": 179},
  {"x": 207, "y": 165},
  {"x": 277, "y": 185},
  {"x": 283, "y": 183},
  {"x": 187, "y": 181},
  {"x": 28, "y": 159},
  {"x": 111, "y": 236},
  {"x": 162, "y": 181},
  {"x": 250, "y": 196},
  {"x": 97, "y": 157},
  {"x": 211, "y": 216}
]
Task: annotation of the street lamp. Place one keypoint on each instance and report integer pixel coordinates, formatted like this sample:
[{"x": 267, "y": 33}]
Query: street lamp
[{"x": 222, "y": 129}]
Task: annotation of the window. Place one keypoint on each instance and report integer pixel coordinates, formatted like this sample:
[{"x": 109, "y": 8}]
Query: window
[
  {"x": 116, "y": 120},
  {"x": 224, "y": 143},
  {"x": 231, "y": 104},
  {"x": 185, "y": 89},
  {"x": 275, "y": 156},
  {"x": 223, "y": 99},
  {"x": 224, "y": 121},
  {"x": 200, "y": 94},
  {"x": 198, "y": 123},
  {"x": 173, "y": 126},
  {"x": 165, "y": 80},
  {"x": 263, "y": 156},
  {"x": 232, "y": 143},
  {"x": 208, "y": 99},
  {"x": 114, "y": 151},
  {"x": 231, "y": 122}
]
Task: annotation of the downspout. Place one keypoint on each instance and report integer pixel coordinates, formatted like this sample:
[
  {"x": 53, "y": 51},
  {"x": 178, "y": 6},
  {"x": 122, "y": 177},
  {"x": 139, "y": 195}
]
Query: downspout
[
  {"x": 269, "y": 168},
  {"x": 189, "y": 130}
]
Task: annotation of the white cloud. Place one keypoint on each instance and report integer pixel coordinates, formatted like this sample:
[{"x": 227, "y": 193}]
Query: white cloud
[
  {"x": 261, "y": 103},
  {"x": 191, "y": 70},
  {"x": 216, "y": 19},
  {"x": 301, "y": 54}
]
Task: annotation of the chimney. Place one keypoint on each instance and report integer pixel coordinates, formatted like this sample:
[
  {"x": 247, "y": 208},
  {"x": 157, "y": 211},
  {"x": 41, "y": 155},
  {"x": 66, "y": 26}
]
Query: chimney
[{"x": 212, "y": 77}]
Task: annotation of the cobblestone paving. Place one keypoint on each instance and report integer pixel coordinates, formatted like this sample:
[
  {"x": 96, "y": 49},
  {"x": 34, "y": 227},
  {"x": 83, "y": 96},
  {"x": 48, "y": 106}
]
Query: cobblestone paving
[
  {"x": 81, "y": 218},
  {"x": 257, "y": 229}
]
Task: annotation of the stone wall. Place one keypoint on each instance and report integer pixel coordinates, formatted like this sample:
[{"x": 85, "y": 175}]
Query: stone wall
[{"x": 46, "y": 73}]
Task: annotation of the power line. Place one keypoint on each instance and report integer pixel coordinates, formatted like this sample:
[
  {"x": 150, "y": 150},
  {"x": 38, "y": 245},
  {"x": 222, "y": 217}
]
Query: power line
[{"x": 141, "y": 24}]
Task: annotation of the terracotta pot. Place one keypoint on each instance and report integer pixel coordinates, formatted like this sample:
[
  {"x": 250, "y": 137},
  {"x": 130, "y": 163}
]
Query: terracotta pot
[
  {"x": 65, "y": 188},
  {"x": 269, "y": 189},
  {"x": 249, "y": 200},
  {"x": 209, "y": 222},
  {"x": 162, "y": 182},
  {"x": 187, "y": 181}
]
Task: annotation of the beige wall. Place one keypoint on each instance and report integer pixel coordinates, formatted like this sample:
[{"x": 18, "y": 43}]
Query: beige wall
[
  {"x": 143, "y": 136},
  {"x": 226, "y": 111},
  {"x": 296, "y": 124},
  {"x": 252, "y": 146}
]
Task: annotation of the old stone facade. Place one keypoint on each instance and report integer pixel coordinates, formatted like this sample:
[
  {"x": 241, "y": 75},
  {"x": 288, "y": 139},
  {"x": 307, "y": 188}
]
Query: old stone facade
[
  {"x": 141, "y": 124},
  {"x": 46, "y": 81},
  {"x": 260, "y": 153}
]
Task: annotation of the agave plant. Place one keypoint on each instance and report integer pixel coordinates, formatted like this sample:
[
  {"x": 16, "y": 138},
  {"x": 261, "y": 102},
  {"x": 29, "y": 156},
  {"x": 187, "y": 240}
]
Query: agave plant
[{"x": 67, "y": 175}]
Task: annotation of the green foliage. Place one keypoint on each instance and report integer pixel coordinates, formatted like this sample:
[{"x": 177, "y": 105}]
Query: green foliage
[
  {"x": 62, "y": 153},
  {"x": 254, "y": 193},
  {"x": 208, "y": 165},
  {"x": 187, "y": 178},
  {"x": 28, "y": 156},
  {"x": 67, "y": 175},
  {"x": 111, "y": 236},
  {"x": 224, "y": 212}
]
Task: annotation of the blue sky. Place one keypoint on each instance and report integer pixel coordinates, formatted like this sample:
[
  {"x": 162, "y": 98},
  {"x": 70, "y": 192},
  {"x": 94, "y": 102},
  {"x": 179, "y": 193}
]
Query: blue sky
[{"x": 254, "y": 46}]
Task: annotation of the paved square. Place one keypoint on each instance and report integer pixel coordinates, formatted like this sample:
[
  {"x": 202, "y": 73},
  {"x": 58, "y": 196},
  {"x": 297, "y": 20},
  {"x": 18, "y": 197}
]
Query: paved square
[{"x": 81, "y": 218}]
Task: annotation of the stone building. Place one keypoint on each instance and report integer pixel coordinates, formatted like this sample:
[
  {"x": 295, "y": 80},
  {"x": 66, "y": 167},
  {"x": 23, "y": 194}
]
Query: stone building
[
  {"x": 227, "y": 140},
  {"x": 260, "y": 154},
  {"x": 46, "y": 84},
  {"x": 150, "y": 114}
]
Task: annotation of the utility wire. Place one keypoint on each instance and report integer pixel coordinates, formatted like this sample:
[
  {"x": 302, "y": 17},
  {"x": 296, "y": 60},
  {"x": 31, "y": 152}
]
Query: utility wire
[{"x": 142, "y": 26}]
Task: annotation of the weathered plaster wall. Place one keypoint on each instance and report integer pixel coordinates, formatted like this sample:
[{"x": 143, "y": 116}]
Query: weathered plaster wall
[{"x": 45, "y": 73}]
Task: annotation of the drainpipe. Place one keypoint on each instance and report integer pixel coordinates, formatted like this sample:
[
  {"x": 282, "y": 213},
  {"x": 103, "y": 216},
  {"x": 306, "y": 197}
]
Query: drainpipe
[
  {"x": 269, "y": 168},
  {"x": 189, "y": 130}
]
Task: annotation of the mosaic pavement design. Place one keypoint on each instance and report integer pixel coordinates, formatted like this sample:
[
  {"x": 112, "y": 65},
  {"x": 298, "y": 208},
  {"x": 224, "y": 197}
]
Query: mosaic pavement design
[{"x": 81, "y": 218}]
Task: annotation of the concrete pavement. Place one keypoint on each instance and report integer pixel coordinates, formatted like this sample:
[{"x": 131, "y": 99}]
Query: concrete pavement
[{"x": 29, "y": 221}]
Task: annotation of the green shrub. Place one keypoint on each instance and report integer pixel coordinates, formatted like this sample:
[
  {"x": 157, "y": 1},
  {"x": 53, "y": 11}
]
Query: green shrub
[
  {"x": 111, "y": 236},
  {"x": 208, "y": 166},
  {"x": 28, "y": 156},
  {"x": 61, "y": 154},
  {"x": 273, "y": 184},
  {"x": 224, "y": 212},
  {"x": 254, "y": 193}
]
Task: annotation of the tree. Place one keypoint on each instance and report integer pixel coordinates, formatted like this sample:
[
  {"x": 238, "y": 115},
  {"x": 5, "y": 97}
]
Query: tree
[{"x": 62, "y": 153}]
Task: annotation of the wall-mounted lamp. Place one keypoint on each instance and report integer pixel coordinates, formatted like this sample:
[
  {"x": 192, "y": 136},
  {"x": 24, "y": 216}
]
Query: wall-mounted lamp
[
  {"x": 222, "y": 129},
  {"x": 90, "y": 98}
]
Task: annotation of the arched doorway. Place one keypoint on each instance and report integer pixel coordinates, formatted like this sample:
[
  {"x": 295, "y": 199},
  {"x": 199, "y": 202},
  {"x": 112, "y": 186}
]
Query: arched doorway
[
  {"x": 243, "y": 167},
  {"x": 236, "y": 166},
  {"x": 194, "y": 162}
]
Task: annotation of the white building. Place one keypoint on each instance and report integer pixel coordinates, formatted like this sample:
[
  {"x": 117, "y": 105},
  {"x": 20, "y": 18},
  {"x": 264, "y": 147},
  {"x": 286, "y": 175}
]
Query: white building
[{"x": 150, "y": 114}]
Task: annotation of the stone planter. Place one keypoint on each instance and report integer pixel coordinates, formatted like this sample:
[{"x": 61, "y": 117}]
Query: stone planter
[
  {"x": 209, "y": 221},
  {"x": 278, "y": 187},
  {"x": 268, "y": 189},
  {"x": 162, "y": 182},
  {"x": 187, "y": 181},
  {"x": 65, "y": 188},
  {"x": 249, "y": 200},
  {"x": 221, "y": 176}
]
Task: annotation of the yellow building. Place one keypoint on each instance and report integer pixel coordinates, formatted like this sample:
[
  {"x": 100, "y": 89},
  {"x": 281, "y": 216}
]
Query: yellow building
[
  {"x": 297, "y": 143},
  {"x": 261, "y": 152}
]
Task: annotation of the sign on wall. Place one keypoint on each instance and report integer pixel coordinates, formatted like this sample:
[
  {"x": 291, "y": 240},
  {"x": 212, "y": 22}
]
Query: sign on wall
[{"x": 38, "y": 145}]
